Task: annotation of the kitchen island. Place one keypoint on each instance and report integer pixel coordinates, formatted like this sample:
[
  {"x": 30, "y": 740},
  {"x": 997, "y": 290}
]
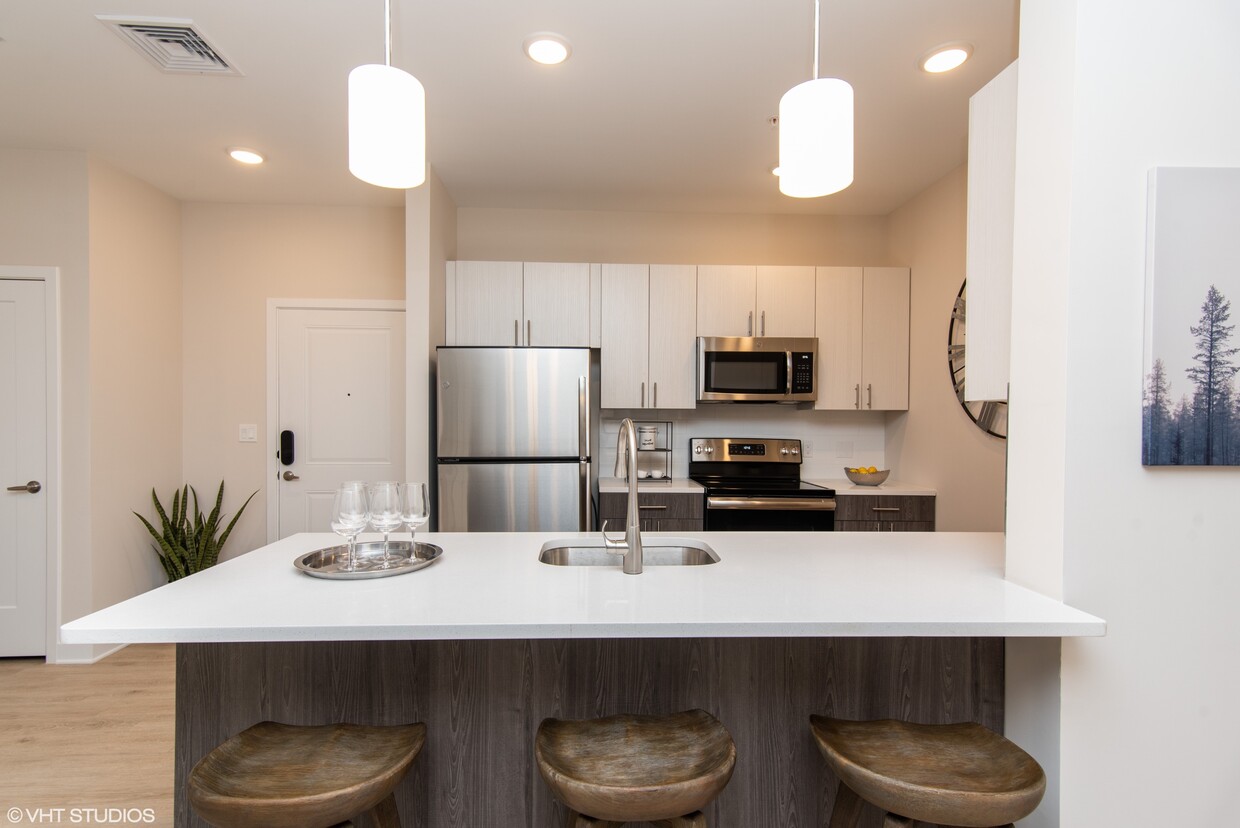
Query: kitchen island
[{"x": 487, "y": 642}]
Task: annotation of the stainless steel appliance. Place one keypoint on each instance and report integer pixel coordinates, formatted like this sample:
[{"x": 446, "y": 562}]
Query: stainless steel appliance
[
  {"x": 755, "y": 485},
  {"x": 757, "y": 369},
  {"x": 517, "y": 429}
]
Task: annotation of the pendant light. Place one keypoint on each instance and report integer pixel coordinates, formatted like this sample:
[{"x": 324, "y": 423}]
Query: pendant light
[
  {"x": 387, "y": 121},
  {"x": 816, "y": 134}
]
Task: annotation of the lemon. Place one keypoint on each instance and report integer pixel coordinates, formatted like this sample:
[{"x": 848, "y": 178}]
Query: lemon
[{"x": 871, "y": 470}]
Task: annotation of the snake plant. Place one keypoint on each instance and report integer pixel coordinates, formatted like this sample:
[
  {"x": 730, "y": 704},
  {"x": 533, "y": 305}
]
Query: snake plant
[{"x": 188, "y": 542}]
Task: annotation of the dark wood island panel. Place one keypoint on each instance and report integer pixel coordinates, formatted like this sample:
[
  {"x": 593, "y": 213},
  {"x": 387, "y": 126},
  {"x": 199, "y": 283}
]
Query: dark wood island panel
[{"x": 482, "y": 702}]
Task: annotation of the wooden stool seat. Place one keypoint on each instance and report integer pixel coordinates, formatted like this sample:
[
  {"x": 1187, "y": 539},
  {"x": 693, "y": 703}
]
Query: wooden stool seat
[
  {"x": 288, "y": 776},
  {"x": 637, "y": 768},
  {"x": 957, "y": 774}
]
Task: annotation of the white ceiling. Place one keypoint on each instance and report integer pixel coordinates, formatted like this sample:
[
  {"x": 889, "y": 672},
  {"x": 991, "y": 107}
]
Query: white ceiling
[{"x": 664, "y": 104}]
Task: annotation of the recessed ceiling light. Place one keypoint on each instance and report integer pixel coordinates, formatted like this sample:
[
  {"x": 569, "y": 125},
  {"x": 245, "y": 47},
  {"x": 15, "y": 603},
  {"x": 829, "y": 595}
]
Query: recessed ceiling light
[
  {"x": 945, "y": 58},
  {"x": 547, "y": 48},
  {"x": 245, "y": 156}
]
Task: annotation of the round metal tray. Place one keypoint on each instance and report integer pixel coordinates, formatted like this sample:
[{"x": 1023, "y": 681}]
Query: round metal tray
[{"x": 329, "y": 562}]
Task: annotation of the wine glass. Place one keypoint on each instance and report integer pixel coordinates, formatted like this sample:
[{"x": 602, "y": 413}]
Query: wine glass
[
  {"x": 350, "y": 514},
  {"x": 385, "y": 513},
  {"x": 414, "y": 510}
]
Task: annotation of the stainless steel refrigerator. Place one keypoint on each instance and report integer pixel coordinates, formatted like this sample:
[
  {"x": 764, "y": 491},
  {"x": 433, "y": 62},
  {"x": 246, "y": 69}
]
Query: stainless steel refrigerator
[{"x": 517, "y": 431}]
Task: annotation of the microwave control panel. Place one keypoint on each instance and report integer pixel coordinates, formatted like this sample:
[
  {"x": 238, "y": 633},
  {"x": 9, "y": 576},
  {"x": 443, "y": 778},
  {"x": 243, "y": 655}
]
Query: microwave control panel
[{"x": 802, "y": 373}]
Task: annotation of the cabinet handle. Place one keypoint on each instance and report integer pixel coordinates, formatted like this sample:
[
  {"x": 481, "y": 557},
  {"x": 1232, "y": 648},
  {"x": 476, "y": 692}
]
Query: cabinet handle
[
  {"x": 750, "y": 324},
  {"x": 885, "y": 508},
  {"x": 763, "y": 323},
  {"x": 643, "y": 405},
  {"x": 857, "y": 396},
  {"x": 529, "y": 337},
  {"x": 516, "y": 332},
  {"x": 655, "y": 402},
  {"x": 653, "y": 508},
  {"x": 869, "y": 395}
]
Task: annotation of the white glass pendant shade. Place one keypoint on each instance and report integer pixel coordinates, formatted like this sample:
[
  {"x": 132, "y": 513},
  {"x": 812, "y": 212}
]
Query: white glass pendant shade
[
  {"x": 816, "y": 138},
  {"x": 387, "y": 126}
]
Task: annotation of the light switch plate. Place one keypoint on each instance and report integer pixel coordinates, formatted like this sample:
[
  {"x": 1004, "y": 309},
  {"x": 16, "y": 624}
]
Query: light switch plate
[{"x": 247, "y": 433}]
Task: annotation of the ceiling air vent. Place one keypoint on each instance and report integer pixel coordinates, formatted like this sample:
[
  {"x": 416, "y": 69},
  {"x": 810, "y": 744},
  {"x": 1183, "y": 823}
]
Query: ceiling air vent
[{"x": 172, "y": 44}]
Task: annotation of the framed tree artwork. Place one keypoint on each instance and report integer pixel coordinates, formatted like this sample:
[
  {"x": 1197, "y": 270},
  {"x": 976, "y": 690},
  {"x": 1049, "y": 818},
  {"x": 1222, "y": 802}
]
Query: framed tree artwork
[{"x": 1190, "y": 408}]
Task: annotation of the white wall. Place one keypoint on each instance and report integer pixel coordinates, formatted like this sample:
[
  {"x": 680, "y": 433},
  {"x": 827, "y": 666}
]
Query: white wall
[
  {"x": 236, "y": 257},
  {"x": 135, "y": 376},
  {"x": 1148, "y": 713},
  {"x": 935, "y": 443}
]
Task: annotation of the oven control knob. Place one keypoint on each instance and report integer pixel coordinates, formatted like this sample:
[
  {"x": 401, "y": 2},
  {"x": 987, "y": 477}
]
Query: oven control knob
[
  {"x": 709, "y": 450},
  {"x": 795, "y": 451},
  {"x": 697, "y": 449},
  {"x": 784, "y": 451}
]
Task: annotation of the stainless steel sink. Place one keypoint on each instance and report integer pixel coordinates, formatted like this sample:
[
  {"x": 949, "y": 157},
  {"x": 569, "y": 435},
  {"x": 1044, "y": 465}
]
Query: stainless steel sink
[{"x": 660, "y": 552}]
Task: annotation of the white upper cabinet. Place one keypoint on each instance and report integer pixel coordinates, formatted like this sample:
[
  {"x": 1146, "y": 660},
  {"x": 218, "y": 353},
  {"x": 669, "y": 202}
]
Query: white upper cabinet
[
  {"x": 488, "y": 303},
  {"x": 863, "y": 338},
  {"x": 988, "y": 252},
  {"x": 725, "y": 299},
  {"x": 557, "y": 304},
  {"x": 673, "y": 343},
  {"x": 648, "y": 340},
  {"x": 624, "y": 358},
  {"x": 743, "y": 300},
  {"x": 518, "y": 304},
  {"x": 785, "y": 301}
]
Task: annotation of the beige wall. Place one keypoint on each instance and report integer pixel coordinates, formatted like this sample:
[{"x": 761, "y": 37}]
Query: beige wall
[
  {"x": 430, "y": 242},
  {"x": 234, "y": 258},
  {"x": 43, "y": 221},
  {"x": 669, "y": 238},
  {"x": 135, "y": 376},
  {"x": 935, "y": 443}
]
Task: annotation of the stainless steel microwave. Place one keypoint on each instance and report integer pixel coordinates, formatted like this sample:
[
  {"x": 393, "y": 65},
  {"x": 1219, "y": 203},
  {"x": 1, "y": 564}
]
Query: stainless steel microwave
[{"x": 757, "y": 369}]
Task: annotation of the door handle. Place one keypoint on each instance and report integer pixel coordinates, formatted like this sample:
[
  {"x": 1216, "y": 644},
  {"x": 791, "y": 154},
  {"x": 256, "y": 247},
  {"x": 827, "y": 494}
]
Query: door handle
[
  {"x": 33, "y": 487},
  {"x": 288, "y": 475}
]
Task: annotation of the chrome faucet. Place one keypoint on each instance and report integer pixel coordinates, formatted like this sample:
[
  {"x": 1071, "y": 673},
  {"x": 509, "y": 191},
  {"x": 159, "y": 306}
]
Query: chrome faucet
[{"x": 626, "y": 449}]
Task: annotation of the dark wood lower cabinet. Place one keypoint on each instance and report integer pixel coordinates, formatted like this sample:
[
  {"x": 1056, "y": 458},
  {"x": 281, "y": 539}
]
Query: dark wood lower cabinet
[
  {"x": 482, "y": 702},
  {"x": 884, "y": 513},
  {"x": 659, "y": 511}
]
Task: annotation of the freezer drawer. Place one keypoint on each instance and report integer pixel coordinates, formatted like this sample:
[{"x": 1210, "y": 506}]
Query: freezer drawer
[{"x": 512, "y": 497}]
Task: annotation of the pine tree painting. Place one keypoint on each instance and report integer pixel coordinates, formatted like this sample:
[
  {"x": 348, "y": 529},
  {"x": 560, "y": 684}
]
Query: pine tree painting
[{"x": 1190, "y": 409}]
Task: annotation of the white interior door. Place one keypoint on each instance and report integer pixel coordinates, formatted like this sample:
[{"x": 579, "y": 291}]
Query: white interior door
[
  {"x": 23, "y": 461},
  {"x": 341, "y": 392}
]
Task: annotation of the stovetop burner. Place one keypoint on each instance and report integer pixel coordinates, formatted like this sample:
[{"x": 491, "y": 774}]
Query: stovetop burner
[{"x": 770, "y": 467}]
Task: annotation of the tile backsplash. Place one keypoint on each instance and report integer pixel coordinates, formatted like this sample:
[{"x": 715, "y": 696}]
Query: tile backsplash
[{"x": 830, "y": 440}]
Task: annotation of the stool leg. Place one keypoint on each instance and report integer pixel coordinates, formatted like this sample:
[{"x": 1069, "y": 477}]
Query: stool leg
[
  {"x": 891, "y": 820},
  {"x": 847, "y": 808},
  {"x": 384, "y": 814},
  {"x": 576, "y": 820},
  {"x": 697, "y": 819}
]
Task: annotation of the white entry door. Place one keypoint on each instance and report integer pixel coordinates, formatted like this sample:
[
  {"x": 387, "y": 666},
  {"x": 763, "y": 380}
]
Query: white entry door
[
  {"x": 23, "y": 468},
  {"x": 341, "y": 393}
]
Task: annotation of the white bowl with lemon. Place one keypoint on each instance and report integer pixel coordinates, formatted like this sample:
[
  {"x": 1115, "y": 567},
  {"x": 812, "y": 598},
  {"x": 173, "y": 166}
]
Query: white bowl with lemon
[{"x": 864, "y": 476}]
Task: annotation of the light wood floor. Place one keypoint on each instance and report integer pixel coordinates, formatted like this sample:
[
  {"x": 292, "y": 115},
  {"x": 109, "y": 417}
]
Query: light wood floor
[{"x": 88, "y": 736}]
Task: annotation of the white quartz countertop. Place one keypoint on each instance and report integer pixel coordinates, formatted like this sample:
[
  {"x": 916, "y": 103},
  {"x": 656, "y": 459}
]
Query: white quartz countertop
[
  {"x": 492, "y": 586},
  {"x": 666, "y": 485},
  {"x": 844, "y": 486}
]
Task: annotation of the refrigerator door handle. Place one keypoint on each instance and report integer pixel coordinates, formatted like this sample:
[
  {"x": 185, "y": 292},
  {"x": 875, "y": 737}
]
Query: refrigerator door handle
[{"x": 583, "y": 451}]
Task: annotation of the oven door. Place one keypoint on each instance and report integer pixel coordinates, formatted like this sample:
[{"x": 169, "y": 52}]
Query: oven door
[{"x": 740, "y": 513}]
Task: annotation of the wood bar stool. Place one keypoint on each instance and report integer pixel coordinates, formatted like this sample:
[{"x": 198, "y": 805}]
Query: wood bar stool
[
  {"x": 957, "y": 774},
  {"x": 618, "y": 769},
  {"x": 289, "y": 776}
]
